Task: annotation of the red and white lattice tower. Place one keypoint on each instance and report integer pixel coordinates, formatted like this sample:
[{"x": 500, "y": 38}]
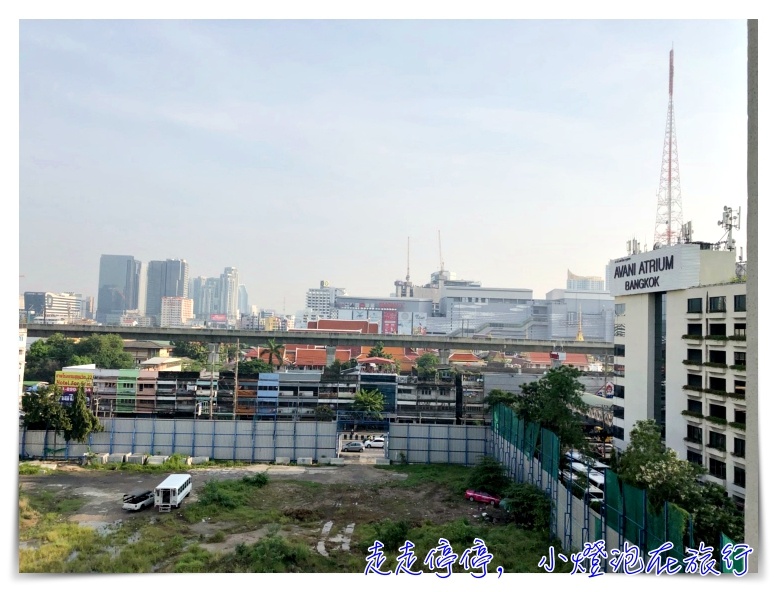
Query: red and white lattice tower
[{"x": 669, "y": 217}]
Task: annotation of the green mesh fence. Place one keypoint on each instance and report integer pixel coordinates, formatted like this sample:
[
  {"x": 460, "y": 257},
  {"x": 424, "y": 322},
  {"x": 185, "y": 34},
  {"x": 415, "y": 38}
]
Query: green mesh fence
[
  {"x": 737, "y": 563},
  {"x": 676, "y": 526},
  {"x": 532, "y": 433},
  {"x": 613, "y": 499},
  {"x": 633, "y": 513},
  {"x": 656, "y": 534},
  {"x": 550, "y": 453}
]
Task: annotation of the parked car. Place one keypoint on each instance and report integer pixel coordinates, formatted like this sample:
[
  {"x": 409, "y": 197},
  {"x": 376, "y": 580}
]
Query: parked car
[
  {"x": 137, "y": 500},
  {"x": 353, "y": 447},
  {"x": 375, "y": 443},
  {"x": 482, "y": 497}
]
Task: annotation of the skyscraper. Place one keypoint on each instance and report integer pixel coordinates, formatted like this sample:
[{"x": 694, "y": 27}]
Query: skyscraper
[
  {"x": 230, "y": 282},
  {"x": 165, "y": 278},
  {"x": 118, "y": 285}
]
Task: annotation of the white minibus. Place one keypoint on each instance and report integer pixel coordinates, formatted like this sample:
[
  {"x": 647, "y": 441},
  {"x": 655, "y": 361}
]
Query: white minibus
[{"x": 171, "y": 492}]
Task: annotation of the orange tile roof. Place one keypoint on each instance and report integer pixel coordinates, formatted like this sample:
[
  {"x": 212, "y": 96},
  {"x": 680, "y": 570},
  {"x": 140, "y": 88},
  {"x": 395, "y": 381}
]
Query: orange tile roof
[
  {"x": 317, "y": 357},
  {"x": 544, "y": 358},
  {"x": 463, "y": 357}
]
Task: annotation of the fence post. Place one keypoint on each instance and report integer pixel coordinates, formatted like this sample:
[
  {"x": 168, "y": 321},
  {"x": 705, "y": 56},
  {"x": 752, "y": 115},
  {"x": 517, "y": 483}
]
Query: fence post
[
  {"x": 234, "y": 440},
  {"x": 194, "y": 431},
  {"x": 134, "y": 429},
  {"x": 153, "y": 434}
]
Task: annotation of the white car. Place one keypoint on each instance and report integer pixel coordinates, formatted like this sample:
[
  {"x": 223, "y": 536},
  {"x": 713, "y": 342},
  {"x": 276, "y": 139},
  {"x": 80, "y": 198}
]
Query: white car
[{"x": 375, "y": 443}]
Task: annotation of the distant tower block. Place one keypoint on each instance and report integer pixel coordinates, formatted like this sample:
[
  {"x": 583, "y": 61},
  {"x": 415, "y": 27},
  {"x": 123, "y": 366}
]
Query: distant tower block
[{"x": 669, "y": 217}]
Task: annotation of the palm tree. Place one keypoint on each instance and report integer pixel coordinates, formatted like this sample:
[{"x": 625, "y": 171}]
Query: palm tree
[{"x": 273, "y": 350}]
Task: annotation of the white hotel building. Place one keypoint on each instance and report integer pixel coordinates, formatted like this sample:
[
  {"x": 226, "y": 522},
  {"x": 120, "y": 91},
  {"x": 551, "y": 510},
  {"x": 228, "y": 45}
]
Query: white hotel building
[{"x": 681, "y": 355}]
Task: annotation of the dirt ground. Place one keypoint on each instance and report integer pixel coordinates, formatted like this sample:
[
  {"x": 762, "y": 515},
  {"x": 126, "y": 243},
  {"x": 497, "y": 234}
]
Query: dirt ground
[{"x": 357, "y": 496}]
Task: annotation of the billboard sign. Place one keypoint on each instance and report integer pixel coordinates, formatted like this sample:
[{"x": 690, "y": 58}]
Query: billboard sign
[
  {"x": 218, "y": 318},
  {"x": 405, "y": 323},
  {"x": 390, "y": 322},
  {"x": 69, "y": 381},
  {"x": 660, "y": 270}
]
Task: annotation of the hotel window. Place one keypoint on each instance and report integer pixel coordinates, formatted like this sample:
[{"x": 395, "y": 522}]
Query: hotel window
[
  {"x": 740, "y": 303},
  {"x": 694, "y": 457},
  {"x": 718, "y": 411},
  {"x": 740, "y": 329},
  {"x": 694, "y": 355},
  {"x": 619, "y": 350},
  {"x": 620, "y": 310},
  {"x": 694, "y": 328},
  {"x": 740, "y": 416},
  {"x": 717, "y": 440},
  {"x": 717, "y": 329},
  {"x": 716, "y": 304},
  {"x": 619, "y": 391},
  {"x": 739, "y": 476},
  {"x": 694, "y": 406},
  {"x": 694, "y": 305},
  {"x": 740, "y": 358},
  {"x": 739, "y": 447},
  {"x": 717, "y": 468},
  {"x": 693, "y": 434},
  {"x": 694, "y": 380}
]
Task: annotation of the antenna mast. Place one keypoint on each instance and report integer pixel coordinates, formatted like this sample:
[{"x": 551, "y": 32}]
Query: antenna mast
[
  {"x": 669, "y": 217},
  {"x": 439, "y": 243},
  {"x": 407, "y": 277}
]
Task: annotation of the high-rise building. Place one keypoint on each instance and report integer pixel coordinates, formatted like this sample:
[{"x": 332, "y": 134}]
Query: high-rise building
[
  {"x": 118, "y": 286},
  {"x": 321, "y": 300},
  {"x": 230, "y": 282},
  {"x": 165, "y": 278},
  {"x": 681, "y": 355},
  {"x": 242, "y": 300},
  {"x": 579, "y": 283},
  {"x": 177, "y": 311}
]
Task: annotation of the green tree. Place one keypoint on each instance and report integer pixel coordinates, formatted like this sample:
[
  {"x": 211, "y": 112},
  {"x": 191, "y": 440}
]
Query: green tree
[
  {"x": 273, "y": 351},
  {"x": 377, "y": 351},
  {"x": 426, "y": 366},
  {"x": 323, "y": 413},
  {"x": 254, "y": 368},
  {"x": 194, "y": 350},
  {"x": 528, "y": 506},
  {"x": 332, "y": 372},
  {"x": 46, "y": 356},
  {"x": 104, "y": 351},
  {"x": 82, "y": 421},
  {"x": 497, "y": 396},
  {"x": 490, "y": 476},
  {"x": 555, "y": 402},
  {"x": 370, "y": 402},
  {"x": 44, "y": 411},
  {"x": 648, "y": 464}
]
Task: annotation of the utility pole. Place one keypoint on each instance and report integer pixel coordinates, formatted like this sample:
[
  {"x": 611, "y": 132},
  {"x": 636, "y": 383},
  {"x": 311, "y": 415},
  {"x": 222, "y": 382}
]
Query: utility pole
[
  {"x": 212, "y": 359},
  {"x": 237, "y": 362}
]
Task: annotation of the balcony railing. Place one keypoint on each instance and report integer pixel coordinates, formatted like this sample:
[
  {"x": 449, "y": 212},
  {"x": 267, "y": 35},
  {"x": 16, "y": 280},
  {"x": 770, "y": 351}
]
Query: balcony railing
[
  {"x": 717, "y": 420},
  {"x": 737, "y": 425},
  {"x": 696, "y": 414}
]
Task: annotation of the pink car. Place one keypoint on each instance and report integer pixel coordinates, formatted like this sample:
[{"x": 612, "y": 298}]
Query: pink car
[{"x": 482, "y": 497}]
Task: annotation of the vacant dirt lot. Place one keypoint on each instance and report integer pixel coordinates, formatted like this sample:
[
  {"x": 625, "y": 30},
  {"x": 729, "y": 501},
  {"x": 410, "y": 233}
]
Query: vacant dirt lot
[{"x": 356, "y": 493}]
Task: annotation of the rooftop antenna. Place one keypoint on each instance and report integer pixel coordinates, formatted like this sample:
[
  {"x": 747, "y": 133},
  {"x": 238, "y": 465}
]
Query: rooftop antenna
[
  {"x": 730, "y": 222},
  {"x": 407, "y": 277},
  {"x": 687, "y": 232},
  {"x": 669, "y": 216},
  {"x": 439, "y": 243}
]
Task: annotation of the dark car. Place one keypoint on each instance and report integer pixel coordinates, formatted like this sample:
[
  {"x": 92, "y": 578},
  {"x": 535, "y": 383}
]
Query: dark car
[{"x": 353, "y": 447}]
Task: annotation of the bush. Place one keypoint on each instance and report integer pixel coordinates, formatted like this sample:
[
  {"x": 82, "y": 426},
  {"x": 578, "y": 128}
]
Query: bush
[
  {"x": 489, "y": 476},
  {"x": 257, "y": 479},
  {"x": 528, "y": 506},
  {"x": 392, "y": 534}
]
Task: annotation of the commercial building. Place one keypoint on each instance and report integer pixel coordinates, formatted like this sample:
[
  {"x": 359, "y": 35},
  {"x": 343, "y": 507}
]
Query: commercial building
[
  {"x": 118, "y": 285},
  {"x": 321, "y": 300},
  {"x": 54, "y": 308},
  {"x": 680, "y": 354},
  {"x": 165, "y": 278},
  {"x": 176, "y": 311}
]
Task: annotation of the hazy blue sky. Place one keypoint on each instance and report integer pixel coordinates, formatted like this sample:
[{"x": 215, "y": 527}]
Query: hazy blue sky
[{"x": 298, "y": 151}]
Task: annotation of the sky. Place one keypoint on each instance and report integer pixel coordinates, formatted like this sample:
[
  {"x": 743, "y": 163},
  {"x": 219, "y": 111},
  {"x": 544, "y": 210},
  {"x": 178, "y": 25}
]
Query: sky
[
  {"x": 302, "y": 150},
  {"x": 505, "y": 151}
]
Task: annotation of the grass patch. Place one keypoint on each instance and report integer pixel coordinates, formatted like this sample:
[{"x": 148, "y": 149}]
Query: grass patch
[
  {"x": 453, "y": 476},
  {"x": 26, "y": 468}
]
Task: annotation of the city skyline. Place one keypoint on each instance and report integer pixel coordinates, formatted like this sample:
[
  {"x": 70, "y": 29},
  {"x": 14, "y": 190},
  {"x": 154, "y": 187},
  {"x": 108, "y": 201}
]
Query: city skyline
[{"x": 298, "y": 151}]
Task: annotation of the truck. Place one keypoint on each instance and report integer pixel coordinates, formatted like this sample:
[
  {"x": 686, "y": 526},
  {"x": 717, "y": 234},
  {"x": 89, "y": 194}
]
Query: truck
[{"x": 137, "y": 500}]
